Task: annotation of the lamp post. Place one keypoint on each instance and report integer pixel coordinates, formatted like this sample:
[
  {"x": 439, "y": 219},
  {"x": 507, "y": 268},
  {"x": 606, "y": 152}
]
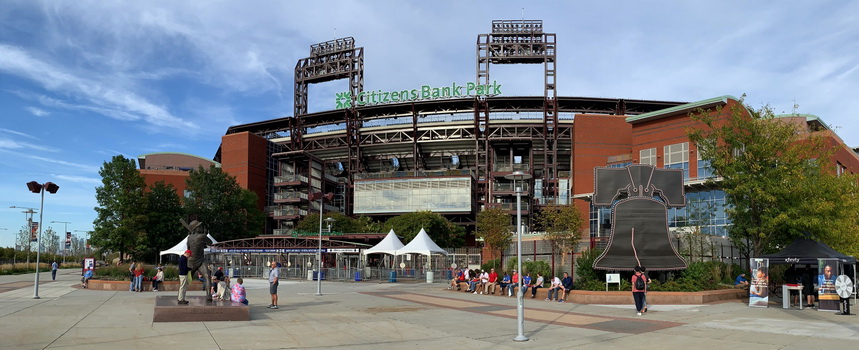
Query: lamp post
[
  {"x": 36, "y": 187},
  {"x": 322, "y": 198},
  {"x": 28, "y": 214},
  {"x": 520, "y": 307},
  {"x": 65, "y": 232}
]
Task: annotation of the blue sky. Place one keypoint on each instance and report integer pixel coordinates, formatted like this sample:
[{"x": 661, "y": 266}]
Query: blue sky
[{"x": 82, "y": 81}]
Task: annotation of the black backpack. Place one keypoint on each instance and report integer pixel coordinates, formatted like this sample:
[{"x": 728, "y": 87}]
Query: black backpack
[{"x": 639, "y": 283}]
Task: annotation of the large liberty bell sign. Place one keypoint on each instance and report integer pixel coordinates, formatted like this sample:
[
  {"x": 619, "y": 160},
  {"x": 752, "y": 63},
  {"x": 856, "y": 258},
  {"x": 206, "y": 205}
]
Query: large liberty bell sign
[{"x": 640, "y": 196}]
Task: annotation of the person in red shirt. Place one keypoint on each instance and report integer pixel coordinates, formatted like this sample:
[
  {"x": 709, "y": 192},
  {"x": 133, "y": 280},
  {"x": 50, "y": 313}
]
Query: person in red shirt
[
  {"x": 639, "y": 287},
  {"x": 493, "y": 281},
  {"x": 511, "y": 290}
]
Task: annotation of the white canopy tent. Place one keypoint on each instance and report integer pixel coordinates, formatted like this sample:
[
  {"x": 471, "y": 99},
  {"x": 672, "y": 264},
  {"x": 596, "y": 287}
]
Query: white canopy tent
[
  {"x": 424, "y": 245},
  {"x": 421, "y": 244},
  {"x": 180, "y": 248},
  {"x": 389, "y": 245}
]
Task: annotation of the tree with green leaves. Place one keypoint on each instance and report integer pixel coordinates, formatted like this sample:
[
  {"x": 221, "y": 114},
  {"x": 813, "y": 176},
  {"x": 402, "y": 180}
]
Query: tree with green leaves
[
  {"x": 50, "y": 241},
  {"x": 442, "y": 231},
  {"x": 342, "y": 223},
  {"x": 773, "y": 175},
  {"x": 562, "y": 225},
  {"x": 226, "y": 210},
  {"x": 494, "y": 227},
  {"x": 163, "y": 229},
  {"x": 121, "y": 222}
]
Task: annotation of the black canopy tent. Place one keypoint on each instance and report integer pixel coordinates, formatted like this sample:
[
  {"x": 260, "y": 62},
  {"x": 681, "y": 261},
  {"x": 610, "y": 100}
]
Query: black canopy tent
[{"x": 807, "y": 251}]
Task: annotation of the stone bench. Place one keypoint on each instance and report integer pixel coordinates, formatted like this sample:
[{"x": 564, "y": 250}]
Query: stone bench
[{"x": 625, "y": 297}]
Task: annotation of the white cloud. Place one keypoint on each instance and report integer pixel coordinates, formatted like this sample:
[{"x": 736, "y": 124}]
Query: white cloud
[
  {"x": 37, "y": 111},
  {"x": 84, "y": 167},
  {"x": 100, "y": 96},
  {"x": 17, "y": 133},
  {"x": 18, "y": 145},
  {"x": 79, "y": 179}
]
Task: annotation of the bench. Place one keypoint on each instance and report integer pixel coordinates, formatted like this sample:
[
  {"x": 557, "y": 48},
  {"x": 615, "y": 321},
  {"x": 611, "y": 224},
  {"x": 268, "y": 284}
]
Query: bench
[{"x": 541, "y": 294}]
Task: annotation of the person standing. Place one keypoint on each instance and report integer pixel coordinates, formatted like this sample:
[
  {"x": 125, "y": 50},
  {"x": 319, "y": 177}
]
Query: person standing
[
  {"x": 273, "y": 279},
  {"x": 639, "y": 287},
  {"x": 54, "y": 268},
  {"x": 183, "y": 276},
  {"x": 131, "y": 275},
  {"x": 138, "y": 278},
  {"x": 646, "y": 284}
]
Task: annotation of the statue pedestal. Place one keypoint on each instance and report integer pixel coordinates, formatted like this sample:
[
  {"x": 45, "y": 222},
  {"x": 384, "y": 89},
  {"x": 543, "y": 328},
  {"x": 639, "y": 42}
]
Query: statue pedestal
[{"x": 198, "y": 310}]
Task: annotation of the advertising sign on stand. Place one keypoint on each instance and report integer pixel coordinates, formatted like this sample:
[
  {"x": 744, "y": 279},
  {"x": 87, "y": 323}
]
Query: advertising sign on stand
[
  {"x": 827, "y": 271},
  {"x": 759, "y": 288}
]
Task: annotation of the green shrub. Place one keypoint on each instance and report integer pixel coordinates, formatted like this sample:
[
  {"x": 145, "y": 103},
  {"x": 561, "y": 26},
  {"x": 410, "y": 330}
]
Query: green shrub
[
  {"x": 585, "y": 266},
  {"x": 491, "y": 264}
]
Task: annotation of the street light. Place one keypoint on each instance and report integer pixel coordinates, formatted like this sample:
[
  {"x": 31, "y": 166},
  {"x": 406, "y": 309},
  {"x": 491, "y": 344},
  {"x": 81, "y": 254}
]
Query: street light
[
  {"x": 322, "y": 198},
  {"x": 65, "y": 232},
  {"x": 36, "y": 187},
  {"x": 29, "y": 219},
  {"x": 520, "y": 307}
]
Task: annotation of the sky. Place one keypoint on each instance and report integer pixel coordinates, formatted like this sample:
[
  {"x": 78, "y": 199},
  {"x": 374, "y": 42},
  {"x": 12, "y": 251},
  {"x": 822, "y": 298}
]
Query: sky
[{"x": 83, "y": 81}]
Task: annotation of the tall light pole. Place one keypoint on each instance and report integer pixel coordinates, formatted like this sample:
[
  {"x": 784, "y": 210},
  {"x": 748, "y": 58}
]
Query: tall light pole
[
  {"x": 28, "y": 214},
  {"x": 520, "y": 307},
  {"x": 65, "y": 232},
  {"x": 36, "y": 187},
  {"x": 322, "y": 198}
]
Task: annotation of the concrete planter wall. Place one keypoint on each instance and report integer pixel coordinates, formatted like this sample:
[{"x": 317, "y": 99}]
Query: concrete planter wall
[
  {"x": 166, "y": 286},
  {"x": 665, "y": 298}
]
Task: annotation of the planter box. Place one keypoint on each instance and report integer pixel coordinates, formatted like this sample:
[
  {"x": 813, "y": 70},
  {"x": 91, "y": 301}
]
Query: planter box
[
  {"x": 166, "y": 286},
  {"x": 625, "y": 297}
]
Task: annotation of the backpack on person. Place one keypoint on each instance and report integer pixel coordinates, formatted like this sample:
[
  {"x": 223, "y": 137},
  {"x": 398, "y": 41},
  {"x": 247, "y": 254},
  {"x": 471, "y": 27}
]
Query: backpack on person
[{"x": 639, "y": 283}]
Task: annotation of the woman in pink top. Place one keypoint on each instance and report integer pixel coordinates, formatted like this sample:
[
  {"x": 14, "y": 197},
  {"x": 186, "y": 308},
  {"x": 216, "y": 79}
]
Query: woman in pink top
[{"x": 639, "y": 287}]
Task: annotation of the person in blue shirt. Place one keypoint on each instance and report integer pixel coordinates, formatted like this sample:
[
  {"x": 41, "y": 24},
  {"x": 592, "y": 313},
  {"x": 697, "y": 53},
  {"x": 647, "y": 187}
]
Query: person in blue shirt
[
  {"x": 526, "y": 282},
  {"x": 741, "y": 281},
  {"x": 505, "y": 281}
]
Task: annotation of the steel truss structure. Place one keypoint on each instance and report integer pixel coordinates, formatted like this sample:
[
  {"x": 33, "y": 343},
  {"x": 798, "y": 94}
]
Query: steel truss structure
[{"x": 485, "y": 137}]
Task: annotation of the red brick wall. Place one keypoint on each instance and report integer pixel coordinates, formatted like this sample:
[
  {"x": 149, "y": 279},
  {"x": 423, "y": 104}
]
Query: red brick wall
[
  {"x": 171, "y": 177},
  {"x": 243, "y": 155}
]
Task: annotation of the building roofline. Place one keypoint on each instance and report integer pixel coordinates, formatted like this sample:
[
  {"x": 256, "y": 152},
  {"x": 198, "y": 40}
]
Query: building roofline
[
  {"x": 143, "y": 156},
  {"x": 684, "y": 108}
]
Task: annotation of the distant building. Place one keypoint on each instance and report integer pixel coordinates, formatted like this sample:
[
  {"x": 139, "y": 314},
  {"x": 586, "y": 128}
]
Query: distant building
[{"x": 172, "y": 168}]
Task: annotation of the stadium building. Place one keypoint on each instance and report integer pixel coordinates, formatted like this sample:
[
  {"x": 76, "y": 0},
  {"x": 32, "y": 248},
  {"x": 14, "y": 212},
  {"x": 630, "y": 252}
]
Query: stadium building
[{"x": 448, "y": 148}]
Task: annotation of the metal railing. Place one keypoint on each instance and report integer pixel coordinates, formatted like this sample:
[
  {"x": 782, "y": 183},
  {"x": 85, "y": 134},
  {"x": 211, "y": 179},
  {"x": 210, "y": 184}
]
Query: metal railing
[
  {"x": 506, "y": 167},
  {"x": 290, "y": 195},
  {"x": 290, "y": 178},
  {"x": 290, "y": 212},
  {"x": 508, "y": 186}
]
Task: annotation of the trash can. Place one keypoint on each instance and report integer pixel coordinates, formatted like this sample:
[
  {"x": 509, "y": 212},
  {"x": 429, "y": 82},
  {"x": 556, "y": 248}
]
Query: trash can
[
  {"x": 320, "y": 274},
  {"x": 357, "y": 276},
  {"x": 430, "y": 276},
  {"x": 448, "y": 275},
  {"x": 392, "y": 276},
  {"x": 310, "y": 274}
]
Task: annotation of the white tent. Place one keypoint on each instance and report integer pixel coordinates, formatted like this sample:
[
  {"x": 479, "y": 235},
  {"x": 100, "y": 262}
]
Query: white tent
[
  {"x": 180, "y": 248},
  {"x": 389, "y": 245},
  {"x": 422, "y": 244}
]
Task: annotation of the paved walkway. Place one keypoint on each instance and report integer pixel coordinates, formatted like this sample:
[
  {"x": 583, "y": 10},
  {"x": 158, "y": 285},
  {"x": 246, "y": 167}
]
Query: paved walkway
[{"x": 396, "y": 316}]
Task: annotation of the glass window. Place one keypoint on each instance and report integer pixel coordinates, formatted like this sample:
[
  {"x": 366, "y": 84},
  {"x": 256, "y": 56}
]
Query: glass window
[
  {"x": 677, "y": 157},
  {"x": 647, "y": 156}
]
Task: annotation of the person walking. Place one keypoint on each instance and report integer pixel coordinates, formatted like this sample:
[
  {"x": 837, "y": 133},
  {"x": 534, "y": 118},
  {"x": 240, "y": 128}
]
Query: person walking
[
  {"x": 183, "y": 276},
  {"x": 273, "y": 279},
  {"x": 639, "y": 287},
  {"x": 54, "y": 268}
]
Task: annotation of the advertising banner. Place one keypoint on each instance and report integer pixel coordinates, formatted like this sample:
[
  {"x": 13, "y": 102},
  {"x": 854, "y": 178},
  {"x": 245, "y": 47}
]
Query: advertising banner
[
  {"x": 34, "y": 231},
  {"x": 68, "y": 240},
  {"x": 759, "y": 288},
  {"x": 827, "y": 271}
]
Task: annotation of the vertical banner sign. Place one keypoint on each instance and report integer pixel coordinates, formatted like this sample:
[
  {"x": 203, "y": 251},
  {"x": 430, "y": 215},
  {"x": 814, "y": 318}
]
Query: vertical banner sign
[
  {"x": 68, "y": 240},
  {"x": 827, "y": 271},
  {"x": 759, "y": 288},
  {"x": 34, "y": 231}
]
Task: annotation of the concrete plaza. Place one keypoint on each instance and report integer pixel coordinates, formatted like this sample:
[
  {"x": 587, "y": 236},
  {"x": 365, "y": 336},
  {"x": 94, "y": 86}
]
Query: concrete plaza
[{"x": 395, "y": 316}]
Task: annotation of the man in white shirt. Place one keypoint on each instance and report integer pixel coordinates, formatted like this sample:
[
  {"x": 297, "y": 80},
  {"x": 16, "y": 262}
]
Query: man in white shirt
[{"x": 555, "y": 289}]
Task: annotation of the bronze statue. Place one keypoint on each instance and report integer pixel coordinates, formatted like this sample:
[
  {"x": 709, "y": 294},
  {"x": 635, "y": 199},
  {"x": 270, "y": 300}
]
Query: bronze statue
[{"x": 197, "y": 242}]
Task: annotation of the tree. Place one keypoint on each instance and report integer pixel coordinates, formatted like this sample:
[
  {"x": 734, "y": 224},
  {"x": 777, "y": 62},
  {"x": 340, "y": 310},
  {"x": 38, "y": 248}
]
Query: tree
[
  {"x": 342, "y": 223},
  {"x": 443, "y": 232},
  {"x": 163, "y": 229},
  {"x": 493, "y": 226},
  {"x": 773, "y": 177},
  {"x": 121, "y": 219},
  {"x": 562, "y": 225},
  {"x": 226, "y": 210},
  {"x": 50, "y": 241}
]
